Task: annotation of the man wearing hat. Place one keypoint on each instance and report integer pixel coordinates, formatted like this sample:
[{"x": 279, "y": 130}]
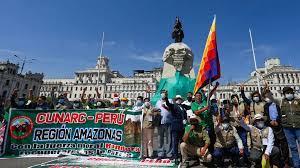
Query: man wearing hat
[
  {"x": 290, "y": 110},
  {"x": 262, "y": 142},
  {"x": 124, "y": 103},
  {"x": 179, "y": 118},
  {"x": 195, "y": 142},
  {"x": 228, "y": 142}
]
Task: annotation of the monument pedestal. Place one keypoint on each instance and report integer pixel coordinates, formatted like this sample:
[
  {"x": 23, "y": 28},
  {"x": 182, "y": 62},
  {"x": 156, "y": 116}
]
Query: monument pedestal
[
  {"x": 178, "y": 76},
  {"x": 177, "y": 85}
]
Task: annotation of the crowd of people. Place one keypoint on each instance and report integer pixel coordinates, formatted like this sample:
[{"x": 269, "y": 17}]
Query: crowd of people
[
  {"x": 248, "y": 131},
  {"x": 258, "y": 131}
]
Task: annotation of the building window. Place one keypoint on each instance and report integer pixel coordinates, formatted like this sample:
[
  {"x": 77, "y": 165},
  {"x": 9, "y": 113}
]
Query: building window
[
  {"x": 7, "y": 82},
  {"x": 26, "y": 86},
  {"x": 80, "y": 88},
  {"x": 70, "y": 96},
  {"x": 33, "y": 88},
  {"x": 4, "y": 93},
  {"x": 90, "y": 88},
  {"x": 76, "y": 88},
  {"x": 67, "y": 88},
  {"x": 75, "y": 95}
]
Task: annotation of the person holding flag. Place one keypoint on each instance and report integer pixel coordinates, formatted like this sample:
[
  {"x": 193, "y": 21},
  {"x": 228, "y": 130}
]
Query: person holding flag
[{"x": 209, "y": 71}]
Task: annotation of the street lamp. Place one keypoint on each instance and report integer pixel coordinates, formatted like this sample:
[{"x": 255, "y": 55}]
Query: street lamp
[{"x": 24, "y": 60}]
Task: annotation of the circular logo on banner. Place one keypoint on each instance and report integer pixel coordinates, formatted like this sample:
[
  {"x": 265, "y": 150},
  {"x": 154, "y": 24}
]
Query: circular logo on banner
[{"x": 20, "y": 127}]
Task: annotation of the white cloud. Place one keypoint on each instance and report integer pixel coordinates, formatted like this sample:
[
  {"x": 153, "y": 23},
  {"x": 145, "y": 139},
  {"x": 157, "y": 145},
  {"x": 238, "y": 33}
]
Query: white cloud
[
  {"x": 265, "y": 50},
  {"x": 153, "y": 57},
  {"x": 10, "y": 52},
  {"x": 109, "y": 43}
]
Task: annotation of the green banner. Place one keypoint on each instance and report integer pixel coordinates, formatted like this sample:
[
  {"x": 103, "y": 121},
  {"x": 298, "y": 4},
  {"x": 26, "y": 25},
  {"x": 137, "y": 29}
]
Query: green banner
[{"x": 104, "y": 132}]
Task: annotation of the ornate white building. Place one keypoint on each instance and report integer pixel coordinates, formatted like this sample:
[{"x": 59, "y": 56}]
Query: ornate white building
[
  {"x": 143, "y": 83},
  {"x": 10, "y": 79},
  {"x": 276, "y": 75}
]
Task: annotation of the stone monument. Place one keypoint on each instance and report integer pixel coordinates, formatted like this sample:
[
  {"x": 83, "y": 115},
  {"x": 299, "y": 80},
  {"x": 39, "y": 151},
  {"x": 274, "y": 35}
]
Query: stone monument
[{"x": 178, "y": 76}]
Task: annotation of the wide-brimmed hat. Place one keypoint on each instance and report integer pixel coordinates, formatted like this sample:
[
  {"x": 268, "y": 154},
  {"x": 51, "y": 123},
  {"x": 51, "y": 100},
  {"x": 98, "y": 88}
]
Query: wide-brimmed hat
[
  {"x": 178, "y": 97},
  {"x": 258, "y": 117},
  {"x": 124, "y": 99},
  {"x": 194, "y": 117}
]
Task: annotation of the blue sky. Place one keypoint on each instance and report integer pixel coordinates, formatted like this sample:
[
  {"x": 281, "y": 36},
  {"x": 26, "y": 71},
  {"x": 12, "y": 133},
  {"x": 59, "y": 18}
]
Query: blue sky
[{"x": 64, "y": 35}]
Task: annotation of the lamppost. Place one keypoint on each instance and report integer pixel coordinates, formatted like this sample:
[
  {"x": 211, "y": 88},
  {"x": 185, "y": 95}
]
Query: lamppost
[{"x": 24, "y": 60}]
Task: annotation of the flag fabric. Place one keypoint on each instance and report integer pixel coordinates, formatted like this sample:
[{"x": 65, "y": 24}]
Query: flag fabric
[{"x": 209, "y": 69}]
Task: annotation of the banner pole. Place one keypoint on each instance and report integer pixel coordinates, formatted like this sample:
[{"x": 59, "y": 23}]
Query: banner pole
[
  {"x": 142, "y": 131},
  {"x": 101, "y": 51},
  {"x": 254, "y": 58},
  {"x": 208, "y": 91},
  {"x": 6, "y": 134}
]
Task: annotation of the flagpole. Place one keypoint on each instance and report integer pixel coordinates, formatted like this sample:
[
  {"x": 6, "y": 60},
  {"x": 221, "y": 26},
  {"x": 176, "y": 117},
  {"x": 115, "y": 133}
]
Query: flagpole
[
  {"x": 208, "y": 91},
  {"x": 101, "y": 51},
  {"x": 254, "y": 58}
]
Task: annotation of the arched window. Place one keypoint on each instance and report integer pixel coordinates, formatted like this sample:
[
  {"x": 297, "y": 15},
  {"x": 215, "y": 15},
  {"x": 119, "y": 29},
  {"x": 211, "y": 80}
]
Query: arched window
[
  {"x": 26, "y": 86},
  {"x": 4, "y": 93}
]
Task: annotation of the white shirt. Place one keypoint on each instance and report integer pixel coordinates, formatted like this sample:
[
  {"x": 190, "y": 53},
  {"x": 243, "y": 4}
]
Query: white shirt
[{"x": 165, "y": 114}]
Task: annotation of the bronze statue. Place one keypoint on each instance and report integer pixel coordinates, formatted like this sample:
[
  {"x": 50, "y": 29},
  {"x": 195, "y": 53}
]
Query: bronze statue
[{"x": 177, "y": 33}]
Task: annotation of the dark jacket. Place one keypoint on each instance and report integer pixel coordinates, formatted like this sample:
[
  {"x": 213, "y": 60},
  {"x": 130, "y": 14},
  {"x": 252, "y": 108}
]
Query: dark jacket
[
  {"x": 178, "y": 115},
  {"x": 290, "y": 113}
]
